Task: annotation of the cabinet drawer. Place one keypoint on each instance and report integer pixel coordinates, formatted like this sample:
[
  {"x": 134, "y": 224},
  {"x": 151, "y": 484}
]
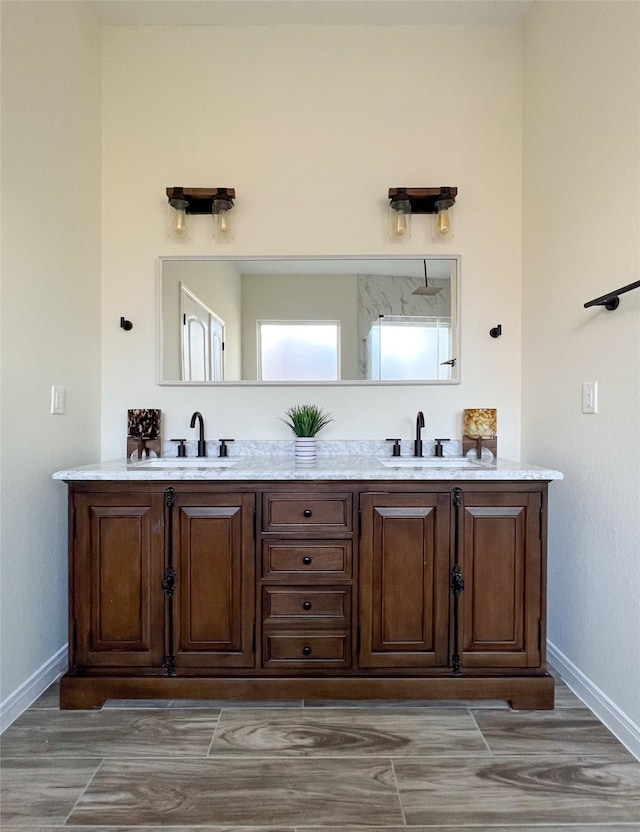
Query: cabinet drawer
[
  {"x": 310, "y": 650},
  {"x": 294, "y": 561},
  {"x": 320, "y": 606},
  {"x": 319, "y": 513}
]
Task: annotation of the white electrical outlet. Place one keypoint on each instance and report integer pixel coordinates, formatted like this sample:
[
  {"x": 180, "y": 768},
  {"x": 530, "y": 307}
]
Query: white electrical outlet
[
  {"x": 57, "y": 399},
  {"x": 590, "y": 397}
]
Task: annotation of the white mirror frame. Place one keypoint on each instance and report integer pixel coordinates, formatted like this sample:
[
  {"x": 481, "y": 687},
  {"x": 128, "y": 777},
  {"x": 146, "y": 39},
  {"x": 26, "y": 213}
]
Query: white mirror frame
[{"x": 456, "y": 305}]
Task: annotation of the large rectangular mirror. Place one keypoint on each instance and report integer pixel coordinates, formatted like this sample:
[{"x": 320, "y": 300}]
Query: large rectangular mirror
[{"x": 308, "y": 320}]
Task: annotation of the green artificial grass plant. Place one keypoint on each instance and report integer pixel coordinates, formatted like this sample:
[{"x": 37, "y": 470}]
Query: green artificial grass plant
[{"x": 307, "y": 419}]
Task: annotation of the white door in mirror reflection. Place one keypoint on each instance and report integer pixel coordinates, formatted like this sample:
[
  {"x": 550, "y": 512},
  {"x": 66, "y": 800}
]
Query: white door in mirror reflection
[{"x": 202, "y": 341}]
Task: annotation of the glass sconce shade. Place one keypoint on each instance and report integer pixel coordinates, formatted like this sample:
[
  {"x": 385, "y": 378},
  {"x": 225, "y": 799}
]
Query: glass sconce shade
[
  {"x": 442, "y": 226},
  {"x": 216, "y": 202},
  {"x": 223, "y": 230},
  {"x": 178, "y": 228},
  {"x": 400, "y": 219},
  {"x": 403, "y": 202}
]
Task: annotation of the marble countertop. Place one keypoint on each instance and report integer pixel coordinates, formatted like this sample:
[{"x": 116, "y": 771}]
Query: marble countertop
[{"x": 327, "y": 468}]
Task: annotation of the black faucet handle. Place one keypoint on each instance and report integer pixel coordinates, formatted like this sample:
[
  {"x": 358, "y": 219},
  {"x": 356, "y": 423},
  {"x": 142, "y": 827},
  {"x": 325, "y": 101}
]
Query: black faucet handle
[
  {"x": 182, "y": 450},
  {"x": 396, "y": 451},
  {"x": 223, "y": 450},
  {"x": 438, "y": 449}
]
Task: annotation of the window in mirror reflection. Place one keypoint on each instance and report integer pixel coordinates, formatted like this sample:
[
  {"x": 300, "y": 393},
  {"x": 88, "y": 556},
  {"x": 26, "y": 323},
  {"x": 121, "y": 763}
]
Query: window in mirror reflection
[{"x": 299, "y": 350}]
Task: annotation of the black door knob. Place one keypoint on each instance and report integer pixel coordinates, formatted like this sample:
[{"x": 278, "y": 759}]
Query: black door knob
[
  {"x": 306, "y": 651},
  {"x": 306, "y": 560},
  {"x": 307, "y": 512},
  {"x": 306, "y": 605}
]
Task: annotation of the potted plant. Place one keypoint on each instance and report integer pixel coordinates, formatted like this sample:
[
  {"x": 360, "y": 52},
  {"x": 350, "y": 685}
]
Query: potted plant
[{"x": 306, "y": 420}]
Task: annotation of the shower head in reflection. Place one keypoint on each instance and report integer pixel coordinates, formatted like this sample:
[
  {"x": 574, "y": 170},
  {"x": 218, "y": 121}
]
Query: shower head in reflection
[{"x": 426, "y": 289}]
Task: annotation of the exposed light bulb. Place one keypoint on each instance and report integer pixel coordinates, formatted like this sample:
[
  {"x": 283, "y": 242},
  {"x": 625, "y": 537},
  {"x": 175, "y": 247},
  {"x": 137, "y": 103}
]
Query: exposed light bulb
[
  {"x": 400, "y": 228},
  {"x": 179, "y": 221},
  {"x": 222, "y": 219},
  {"x": 178, "y": 228},
  {"x": 443, "y": 223},
  {"x": 400, "y": 219},
  {"x": 442, "y": 229}
]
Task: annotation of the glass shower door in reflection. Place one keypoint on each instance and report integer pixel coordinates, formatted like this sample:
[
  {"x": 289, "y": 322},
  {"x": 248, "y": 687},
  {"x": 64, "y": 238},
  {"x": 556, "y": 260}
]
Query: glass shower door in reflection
[{"x": 409, "y": 348}]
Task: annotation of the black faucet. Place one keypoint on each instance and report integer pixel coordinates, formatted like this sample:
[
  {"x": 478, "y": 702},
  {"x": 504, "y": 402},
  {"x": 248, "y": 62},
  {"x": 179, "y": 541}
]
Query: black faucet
[
  {"x": 417, "y": 445},
  {"x": 202, "y": 445}
]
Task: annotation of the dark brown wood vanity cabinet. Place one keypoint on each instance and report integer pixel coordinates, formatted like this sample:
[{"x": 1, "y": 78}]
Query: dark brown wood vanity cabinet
[
  {"x": 161, "y": 580},
  {"x": 117, "y": 609},
  {"x": 347, "y": 590},
  {"x": 501, "y": 548},
  {"x": 212, "y": 555},
  {"x": 404, "y": 580},
  {"x": 307, "y": 579}
]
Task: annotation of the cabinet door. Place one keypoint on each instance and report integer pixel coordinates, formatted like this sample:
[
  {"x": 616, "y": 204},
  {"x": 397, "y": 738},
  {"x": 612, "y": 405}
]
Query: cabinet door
[
  {"x": 117, "y": 603},
  {"x": 501, "y": 554},
  {"x": 215, "y": 584},
  {"x": 404, "y": 580}
]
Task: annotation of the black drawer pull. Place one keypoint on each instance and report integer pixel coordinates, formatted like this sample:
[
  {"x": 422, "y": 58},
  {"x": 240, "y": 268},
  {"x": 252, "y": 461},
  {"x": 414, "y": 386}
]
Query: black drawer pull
[
  {"x": 306, "y": 560},
  {"x": 307, "y": 512},
  {"x": 306, "y": 651},
  {"x": 306, "y": 605}
]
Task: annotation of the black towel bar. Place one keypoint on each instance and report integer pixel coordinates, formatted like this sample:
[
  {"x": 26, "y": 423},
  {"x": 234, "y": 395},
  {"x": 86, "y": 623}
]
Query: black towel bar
[{"x": 611, "y": 300}]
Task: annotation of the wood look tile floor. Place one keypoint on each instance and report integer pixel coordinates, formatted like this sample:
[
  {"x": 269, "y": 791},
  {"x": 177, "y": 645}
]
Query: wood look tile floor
[{"x": 315, "y": 767}]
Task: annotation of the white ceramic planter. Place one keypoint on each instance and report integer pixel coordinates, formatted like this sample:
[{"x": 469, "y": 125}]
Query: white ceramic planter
[{"x": 305, "y": 451}]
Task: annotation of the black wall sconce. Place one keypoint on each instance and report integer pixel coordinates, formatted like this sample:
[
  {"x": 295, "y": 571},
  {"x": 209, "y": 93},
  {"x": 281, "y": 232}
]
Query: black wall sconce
[
  {"x": 125, "y": 324},
  {"x": 215, "y": 201},
  {"x": 403, "y": 202}
]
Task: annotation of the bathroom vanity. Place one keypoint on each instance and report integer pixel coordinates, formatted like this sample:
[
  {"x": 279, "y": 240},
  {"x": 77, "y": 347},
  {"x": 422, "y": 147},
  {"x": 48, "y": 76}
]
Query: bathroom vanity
[{"x": 354, "y": 580}]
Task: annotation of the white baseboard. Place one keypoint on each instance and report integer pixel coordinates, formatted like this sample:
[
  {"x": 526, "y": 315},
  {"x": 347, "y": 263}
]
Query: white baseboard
[
  {"x": 18, "y": 701},
  {"x": 607, "y": 711}
]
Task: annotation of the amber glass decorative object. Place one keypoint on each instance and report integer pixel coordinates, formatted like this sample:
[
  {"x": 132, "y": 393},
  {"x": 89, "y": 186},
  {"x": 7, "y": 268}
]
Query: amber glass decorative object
[{"x": 480, "y": 430}]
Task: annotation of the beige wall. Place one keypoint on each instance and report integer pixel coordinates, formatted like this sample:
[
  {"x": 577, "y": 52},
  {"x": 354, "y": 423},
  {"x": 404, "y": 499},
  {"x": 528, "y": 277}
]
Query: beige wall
[
  {"x": 312, "y": 125},
  {"x": 581, "y": 239},
  {"x": 50, "y": 327}
]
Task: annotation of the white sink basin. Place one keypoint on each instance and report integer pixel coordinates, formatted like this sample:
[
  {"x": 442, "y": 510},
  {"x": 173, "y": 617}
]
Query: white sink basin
[
  {"x": 432, "y": 462},
  {"x": 186, "y": 462}
]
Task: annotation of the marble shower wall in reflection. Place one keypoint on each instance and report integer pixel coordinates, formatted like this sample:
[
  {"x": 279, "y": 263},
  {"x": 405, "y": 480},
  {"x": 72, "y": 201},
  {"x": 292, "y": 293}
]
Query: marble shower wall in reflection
[{"x": 378, "y": 295}]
